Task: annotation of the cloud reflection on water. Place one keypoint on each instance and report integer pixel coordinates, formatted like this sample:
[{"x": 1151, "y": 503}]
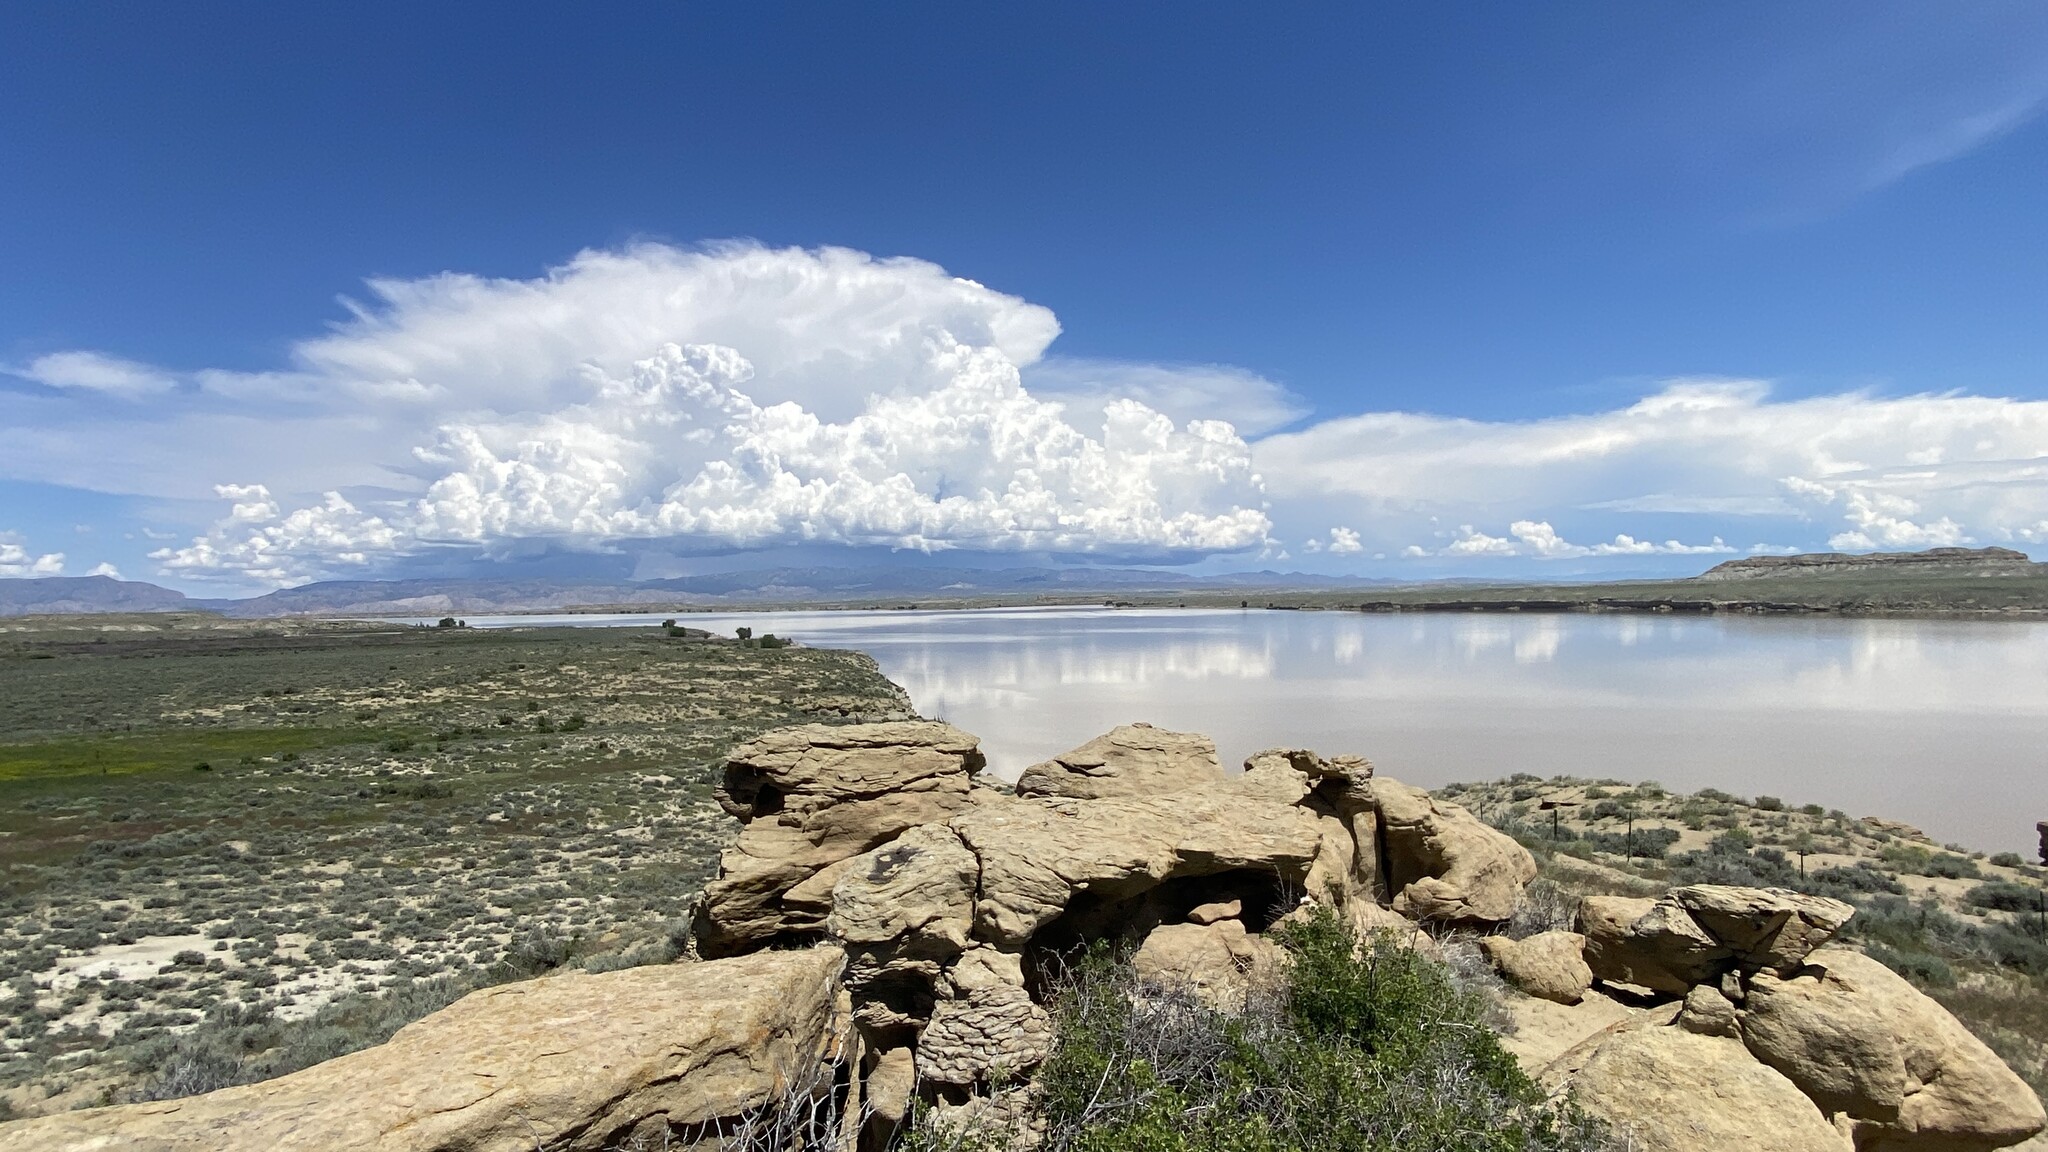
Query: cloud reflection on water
[{"x": 1941, "y": 723}]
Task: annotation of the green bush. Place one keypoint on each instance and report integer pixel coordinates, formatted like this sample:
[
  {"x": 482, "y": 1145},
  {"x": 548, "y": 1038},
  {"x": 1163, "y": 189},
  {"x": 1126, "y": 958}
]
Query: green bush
[
  {"x": 2005, "y": 896},
  {"x": 1368, "y": 1047},
  {"x": 2008, "y": 860},
  {"x": 1920, "y": 861}
]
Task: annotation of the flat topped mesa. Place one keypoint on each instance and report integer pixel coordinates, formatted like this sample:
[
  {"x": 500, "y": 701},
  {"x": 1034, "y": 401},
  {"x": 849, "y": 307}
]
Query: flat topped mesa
[{"x": 1931, "y": 562}]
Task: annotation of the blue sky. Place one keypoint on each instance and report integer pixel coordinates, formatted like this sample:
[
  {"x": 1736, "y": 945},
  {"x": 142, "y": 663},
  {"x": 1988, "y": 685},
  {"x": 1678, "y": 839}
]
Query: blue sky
[{"x": 1492, "y": 290}]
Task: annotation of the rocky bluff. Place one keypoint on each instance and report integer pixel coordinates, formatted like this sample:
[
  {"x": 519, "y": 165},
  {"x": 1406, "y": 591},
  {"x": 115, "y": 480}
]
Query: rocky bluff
[{"x": 884, "y": 927}]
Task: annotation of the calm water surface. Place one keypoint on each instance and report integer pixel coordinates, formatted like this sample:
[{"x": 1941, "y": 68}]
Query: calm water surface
[{"x": 1941, "y": 723}]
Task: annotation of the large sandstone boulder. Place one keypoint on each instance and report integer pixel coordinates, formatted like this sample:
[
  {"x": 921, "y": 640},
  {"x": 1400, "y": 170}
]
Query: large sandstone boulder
[
  {"x": 1443, "y": 863},
  {"x": 563, "y": 1062},
  {"x": 1133, "y": 760},
  {"x": 1548, "y": 965},
  {"x": 1859, "y": 1039},
  {"x": 1037, "y": 856},
  {"x": 1694, "y": 935},
  {"x": 810, "y": 798},
  {"x": 1764, "y": 927},
  {"x": 1652, "y": 944},
  {"x": 1668, "y": 1089},
  {"x": 904, "y": 911}
]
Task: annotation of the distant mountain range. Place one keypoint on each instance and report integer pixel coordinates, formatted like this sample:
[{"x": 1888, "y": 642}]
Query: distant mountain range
[
  {"x": 433, "y": 597},
  {"x": 878, "y": 585}
]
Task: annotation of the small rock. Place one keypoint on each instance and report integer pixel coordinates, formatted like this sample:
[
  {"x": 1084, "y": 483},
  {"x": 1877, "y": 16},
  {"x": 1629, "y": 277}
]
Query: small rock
[
  {"x": 1709, "y": 1013},
  {"x": 1211, "y": 913},
  {"x": 1548, "y": 965}
]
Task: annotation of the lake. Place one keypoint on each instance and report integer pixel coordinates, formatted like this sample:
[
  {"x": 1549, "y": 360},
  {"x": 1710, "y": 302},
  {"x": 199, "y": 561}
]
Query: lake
[{"x": 1940, "y": 723}]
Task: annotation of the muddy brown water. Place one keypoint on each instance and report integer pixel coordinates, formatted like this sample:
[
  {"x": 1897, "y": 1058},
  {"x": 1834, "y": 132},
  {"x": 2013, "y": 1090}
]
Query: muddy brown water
[{"x": 1940, "y": 723}]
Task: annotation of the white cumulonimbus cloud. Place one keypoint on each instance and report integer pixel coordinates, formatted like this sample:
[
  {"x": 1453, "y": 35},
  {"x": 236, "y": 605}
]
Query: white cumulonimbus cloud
[
  {"x": 17, "y": 560},
  {"x": 676, "y": 449},
  {"x": 738, "y": 396}
]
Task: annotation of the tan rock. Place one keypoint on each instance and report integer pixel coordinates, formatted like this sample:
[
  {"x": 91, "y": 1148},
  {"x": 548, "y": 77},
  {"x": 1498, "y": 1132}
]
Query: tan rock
[
  {"x": 1861, "y": 1040},
  {"x": 1134, "y": 760},
  {"x": 1651, "y": 943},
  {"x": 1287, "y": 775},
  {"x": 1037, "y": 855},
  {"x": 916, "y": 889},
  {"x": 564, "y": 1062},
  {"x": 1765, "y": 927},
  {"x": 1218, "y": 962},
  {"x": 1670, "y": 1090},
  {"x": 1709, "y": 1013},
  {"x": 890, "y": 1083},
  {"x": 1548, "y": 965},
  {"x": 987, "y": 1029},
  {"x": 1444, "y": 863},
  {"x": 812, "y": 796},
  {"x": 1374, "y": 922},
  {"x": 1211, "y": 913},
  {"x": 904, "y": 911},
  {"x": 1540, "y": 1031}
]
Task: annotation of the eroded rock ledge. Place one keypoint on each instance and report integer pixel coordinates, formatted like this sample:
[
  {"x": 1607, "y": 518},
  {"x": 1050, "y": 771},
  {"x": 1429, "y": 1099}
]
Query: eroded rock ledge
[{"x": 882, "y": 929}]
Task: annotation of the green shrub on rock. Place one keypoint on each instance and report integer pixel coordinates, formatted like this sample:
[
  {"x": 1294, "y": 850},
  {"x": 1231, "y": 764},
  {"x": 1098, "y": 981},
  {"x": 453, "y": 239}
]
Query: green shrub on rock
[{"x": 1366, "y": 1047}]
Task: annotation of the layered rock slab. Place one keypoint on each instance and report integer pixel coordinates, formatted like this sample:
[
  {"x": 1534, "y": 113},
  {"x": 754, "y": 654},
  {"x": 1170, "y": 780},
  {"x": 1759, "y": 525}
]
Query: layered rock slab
[
  {"x": 812, "y": 797},
  {"x": 575, "y": 1061},
  {"x": 1131, "y": 760},
  {"x": 1037, "y": 856}
]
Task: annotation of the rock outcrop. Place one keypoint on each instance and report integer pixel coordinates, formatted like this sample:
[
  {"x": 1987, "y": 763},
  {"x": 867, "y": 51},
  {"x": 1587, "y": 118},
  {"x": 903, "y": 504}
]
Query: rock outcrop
[
  {"x": 946, "y": 905},
  {"x": 926, "y": 908},
  {"x": 1444, "y": 864},
  {"x": 1779, "y": 1042},
  {"x": 811, "y": 797},
  {"x": 563, "y": 1062},
  {"x": 1929, "y": 562}
]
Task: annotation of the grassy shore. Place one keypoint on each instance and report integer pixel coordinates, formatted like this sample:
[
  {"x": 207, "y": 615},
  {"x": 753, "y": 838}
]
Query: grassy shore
[{"x": 230, "y": 849}]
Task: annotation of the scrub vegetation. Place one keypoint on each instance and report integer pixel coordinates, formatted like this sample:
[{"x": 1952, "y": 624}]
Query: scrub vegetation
[
  {"x": 230, "y": 850},
  {"x": 1359, "y": 1045},
  {"x": 1969, "y": 930}
]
